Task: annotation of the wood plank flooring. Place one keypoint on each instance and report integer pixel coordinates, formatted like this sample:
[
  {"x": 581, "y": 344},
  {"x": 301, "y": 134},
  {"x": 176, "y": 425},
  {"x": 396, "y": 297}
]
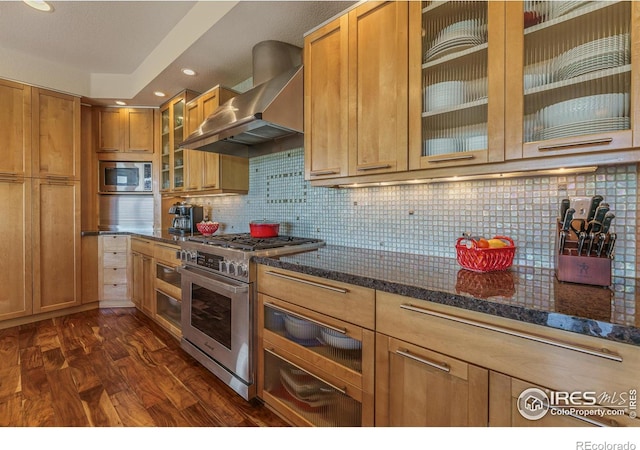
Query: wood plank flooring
[{"x": 112, "y": 368}]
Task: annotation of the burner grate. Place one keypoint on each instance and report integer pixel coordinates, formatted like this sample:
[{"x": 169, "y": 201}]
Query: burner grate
[{"x": 244, "y": 241}]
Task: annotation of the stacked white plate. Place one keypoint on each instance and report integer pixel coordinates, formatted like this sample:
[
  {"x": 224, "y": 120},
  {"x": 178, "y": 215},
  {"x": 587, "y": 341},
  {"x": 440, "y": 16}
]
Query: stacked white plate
[
  {"x": 581, "y": 109},
  {"x": 586, "y": 127},
  {"x": 444, "y": 95},
  {"x": 456, "y": 37},
  {"x": 600, "y": 54},
  {"x": 557, "y": 8},
  {"x": 440, "y": 146},
  {"x": 584, "y": 115}
]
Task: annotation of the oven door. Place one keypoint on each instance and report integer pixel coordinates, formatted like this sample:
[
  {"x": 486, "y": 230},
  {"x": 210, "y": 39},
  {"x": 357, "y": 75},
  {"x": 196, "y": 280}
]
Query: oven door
[{"x": 217, "y": 319}]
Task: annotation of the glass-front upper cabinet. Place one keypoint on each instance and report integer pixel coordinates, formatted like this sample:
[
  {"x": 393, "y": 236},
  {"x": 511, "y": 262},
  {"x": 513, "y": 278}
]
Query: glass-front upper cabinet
[
  {"x": 570, "y": 90},
  {"x": 178, "y": 137},
  {"x": 165, "y": 178},
  {"x": 461, "y": 82}
]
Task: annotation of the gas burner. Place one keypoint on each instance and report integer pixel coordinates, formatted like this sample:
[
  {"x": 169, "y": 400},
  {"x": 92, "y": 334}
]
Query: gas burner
[{"x": 244, "y": 241}]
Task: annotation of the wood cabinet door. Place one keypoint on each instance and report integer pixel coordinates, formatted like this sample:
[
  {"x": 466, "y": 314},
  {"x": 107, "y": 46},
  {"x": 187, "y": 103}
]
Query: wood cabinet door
[
  {"x": 378, "y": 88},
  {"x": 109, "y": 130},
  {"x": 15, "y": 128},
  {"x": 56, "y": 236},
  {"x": 416, "y": 387},
  {"x": 326, "y": 101},
  {"x": 137, "y": 279},
  {"x": 138, "y": 130},
  {"x": 15, "y": 265},
  {"x": 55, "y": 135},
  {"x": 193, "y": 158},
  {"x": 558, "y": 103}
]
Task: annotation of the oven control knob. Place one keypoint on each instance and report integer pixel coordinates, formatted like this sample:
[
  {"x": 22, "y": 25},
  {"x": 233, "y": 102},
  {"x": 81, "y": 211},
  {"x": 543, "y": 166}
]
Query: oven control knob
[
  {"x": 242, "y": 270},
  {"x": 231, "y": 268}
]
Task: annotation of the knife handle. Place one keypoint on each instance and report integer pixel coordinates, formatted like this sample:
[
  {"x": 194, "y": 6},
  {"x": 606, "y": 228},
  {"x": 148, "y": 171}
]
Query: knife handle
[
  {"x": 581, "y": 238},
  {"x": 565, "y": 204},
  {"x": 568, "y": 217},
  {"x": 612, "y": 241},
  {"x": 606, "y": 222},
  {"x": 595, "y": 202}
]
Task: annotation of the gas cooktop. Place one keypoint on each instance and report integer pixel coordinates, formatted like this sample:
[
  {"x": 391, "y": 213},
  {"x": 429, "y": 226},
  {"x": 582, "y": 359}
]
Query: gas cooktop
[{"x": 244, "y": 241}]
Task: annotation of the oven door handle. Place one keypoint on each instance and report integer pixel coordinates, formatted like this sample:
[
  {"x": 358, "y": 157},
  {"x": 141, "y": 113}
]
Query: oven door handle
[{"x": 213, "y": 280}]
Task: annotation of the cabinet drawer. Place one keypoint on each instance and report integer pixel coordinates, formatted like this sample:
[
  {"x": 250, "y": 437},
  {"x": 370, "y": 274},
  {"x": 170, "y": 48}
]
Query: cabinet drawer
[
  {"x": 114, "y": 292},
  {"x": 141, "y": 246},
  {"x": 167, "y": 254},
  {"x": 347, "y": 302},
  {"x": 114, "y": 243},
  {"x": 114, "y": 259},
  {"x": 553, "y": 358},
  {"x": 114, "y": 275}
]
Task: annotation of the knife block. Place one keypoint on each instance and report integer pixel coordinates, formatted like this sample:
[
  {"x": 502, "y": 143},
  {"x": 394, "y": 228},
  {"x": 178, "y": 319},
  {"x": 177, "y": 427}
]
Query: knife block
[{"x": 574, "y": 268}]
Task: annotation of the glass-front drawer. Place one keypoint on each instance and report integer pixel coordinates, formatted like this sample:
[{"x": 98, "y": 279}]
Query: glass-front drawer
[
  {"x": 312, "y": 398},
  {"x": 168, "y": 308},
  {"x": 327, "y": 341},
  {"x": 168, "y": 274}
]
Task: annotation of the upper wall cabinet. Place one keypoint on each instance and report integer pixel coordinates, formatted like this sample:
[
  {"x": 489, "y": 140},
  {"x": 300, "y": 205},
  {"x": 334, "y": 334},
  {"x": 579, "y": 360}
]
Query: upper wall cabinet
[
  {"x": 124, "y": 130},
  {"x": 207, "y": 172},
  {"x": 55, "y": 135},
  {"x": 573, "y": 79},
  {"x": 356, "y": 93},
  {"x": 172, "y": 134},
  {"x": 15, "y": 128},
  {"x": 493, "y": 87},
  {"x": 457, "y": 103}
]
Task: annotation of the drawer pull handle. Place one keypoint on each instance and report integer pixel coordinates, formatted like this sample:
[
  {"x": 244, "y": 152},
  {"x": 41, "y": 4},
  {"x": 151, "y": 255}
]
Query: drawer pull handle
[
  {"x": 543, "y": 148},
  {"x": 273, "y": 352},
  {"x": 374, "y": 167},
  {"x": 602, "y": 353},
  {"x": 317, "y": 322},
  {"x": 440, "y": 366},
  {"x": 450, "y": 158},
  {"x": 311, "y": 283},
  {"x": 318, "y": 173}
]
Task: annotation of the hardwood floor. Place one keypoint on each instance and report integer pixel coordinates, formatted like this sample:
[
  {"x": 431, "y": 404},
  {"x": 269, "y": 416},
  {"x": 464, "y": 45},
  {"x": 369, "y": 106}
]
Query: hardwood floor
[{"x": 112, "y": 368}]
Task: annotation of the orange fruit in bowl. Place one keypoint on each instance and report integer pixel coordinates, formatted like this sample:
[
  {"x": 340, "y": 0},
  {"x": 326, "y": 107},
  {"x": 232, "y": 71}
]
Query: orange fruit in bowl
[
  {"x": 496, "y": 243},
  {"x": 483, "y": 243}
]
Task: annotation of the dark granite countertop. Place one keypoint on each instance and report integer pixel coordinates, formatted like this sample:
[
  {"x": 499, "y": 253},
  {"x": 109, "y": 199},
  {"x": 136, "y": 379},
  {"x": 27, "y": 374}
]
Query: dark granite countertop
[{"x": 527, "y": 294}]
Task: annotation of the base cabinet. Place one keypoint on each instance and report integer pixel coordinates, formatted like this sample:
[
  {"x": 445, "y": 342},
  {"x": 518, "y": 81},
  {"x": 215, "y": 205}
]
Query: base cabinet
[
  {"x": 142, "y": 263},
  {"x": 57, "y": 245},
  {"x": 315, "y": 361},
  {"x": 416, "y": 387}
]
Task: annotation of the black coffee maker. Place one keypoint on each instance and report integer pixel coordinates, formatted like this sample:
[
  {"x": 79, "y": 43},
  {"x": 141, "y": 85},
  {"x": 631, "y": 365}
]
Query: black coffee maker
[{"x": 186, "y": 218}]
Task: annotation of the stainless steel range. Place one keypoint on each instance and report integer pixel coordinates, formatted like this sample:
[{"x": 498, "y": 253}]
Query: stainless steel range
[{"x": 218, "y": 301}]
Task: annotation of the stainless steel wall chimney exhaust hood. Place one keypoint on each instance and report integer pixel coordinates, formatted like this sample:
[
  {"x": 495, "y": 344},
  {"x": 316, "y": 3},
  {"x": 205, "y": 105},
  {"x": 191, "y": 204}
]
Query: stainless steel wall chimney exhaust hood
[{"x": 267, "y": 118}]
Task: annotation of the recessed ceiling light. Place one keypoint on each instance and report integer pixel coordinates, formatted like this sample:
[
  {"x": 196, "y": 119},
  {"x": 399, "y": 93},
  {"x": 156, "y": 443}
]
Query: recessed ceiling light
[
  {"x": 159, "y": 94},
  {"x": 120, "y": 102},
  {"x": 40, "y": 5},
  {"x": 189, "y": 72}
]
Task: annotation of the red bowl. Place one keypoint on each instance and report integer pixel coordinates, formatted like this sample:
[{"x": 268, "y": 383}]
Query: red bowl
[
  {"x": 207, "y": 229},
  {"x": 264, "y": 229}
]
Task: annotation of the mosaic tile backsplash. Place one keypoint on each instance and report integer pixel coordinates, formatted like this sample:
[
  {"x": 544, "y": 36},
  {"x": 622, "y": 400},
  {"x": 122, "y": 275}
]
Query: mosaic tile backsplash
[{"x": 427, "y": 219}]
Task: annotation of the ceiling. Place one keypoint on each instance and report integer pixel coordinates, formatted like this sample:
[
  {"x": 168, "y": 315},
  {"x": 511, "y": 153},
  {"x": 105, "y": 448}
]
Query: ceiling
[{"x": 126, "y": 50}]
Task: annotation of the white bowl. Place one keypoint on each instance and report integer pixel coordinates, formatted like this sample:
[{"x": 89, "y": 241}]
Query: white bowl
[
  {"x": 585, "y": 108},
  {"x": 338, "y": 340},
  {"x": 300, "y": 328}
]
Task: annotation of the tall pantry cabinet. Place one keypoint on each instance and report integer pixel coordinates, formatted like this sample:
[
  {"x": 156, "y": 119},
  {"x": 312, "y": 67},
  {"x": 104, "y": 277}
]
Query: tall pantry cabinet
[{"x": 40, "y": 185}]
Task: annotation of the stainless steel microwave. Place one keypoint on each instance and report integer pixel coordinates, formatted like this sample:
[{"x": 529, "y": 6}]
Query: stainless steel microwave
[{"x": 133, "y": 177}]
